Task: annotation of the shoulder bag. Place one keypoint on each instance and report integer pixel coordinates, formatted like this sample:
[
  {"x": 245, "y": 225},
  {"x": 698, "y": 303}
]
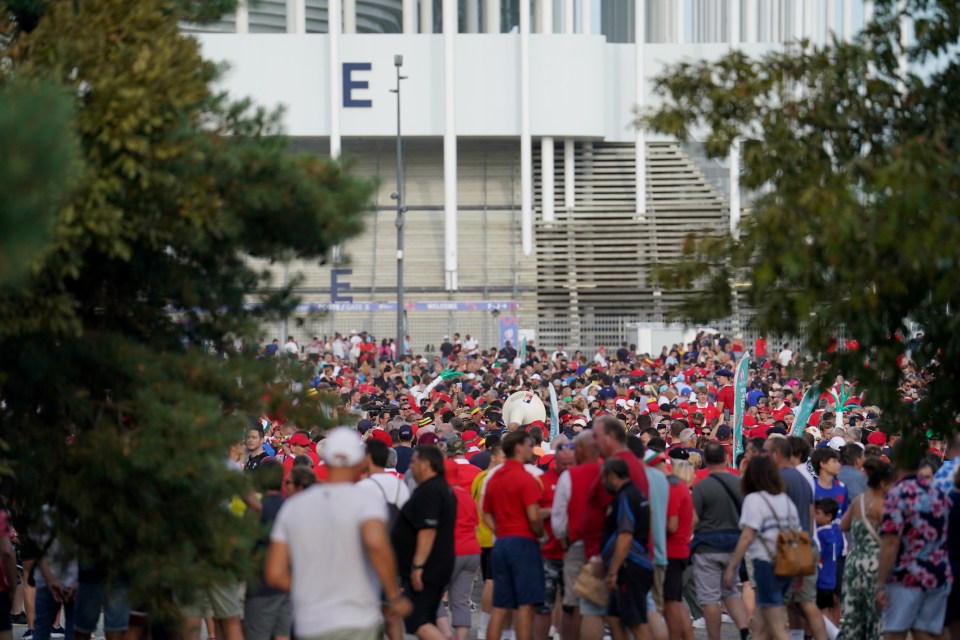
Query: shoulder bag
[{"x": 793, "y": 556}]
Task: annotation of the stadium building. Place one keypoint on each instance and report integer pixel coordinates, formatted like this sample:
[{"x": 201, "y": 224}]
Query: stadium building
[{"x": 532, "y": 201}]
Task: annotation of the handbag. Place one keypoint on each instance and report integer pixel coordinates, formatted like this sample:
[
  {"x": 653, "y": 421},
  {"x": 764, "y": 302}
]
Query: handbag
[
  {"x": 590, "y": 587},
  {"x": 793, "y": 557}
]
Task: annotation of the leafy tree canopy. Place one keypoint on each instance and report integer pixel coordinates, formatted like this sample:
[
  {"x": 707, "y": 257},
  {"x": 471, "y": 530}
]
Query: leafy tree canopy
[
  {"x": 115, "y": 413},
  {"x": 855, "y": 223}
]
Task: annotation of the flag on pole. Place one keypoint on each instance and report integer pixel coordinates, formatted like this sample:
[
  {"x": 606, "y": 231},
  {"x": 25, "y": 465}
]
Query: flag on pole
[
  {"x": 739, "y": 402},
  {"x": 807, "y": 405},
  {"x": 554, "y": 413}
]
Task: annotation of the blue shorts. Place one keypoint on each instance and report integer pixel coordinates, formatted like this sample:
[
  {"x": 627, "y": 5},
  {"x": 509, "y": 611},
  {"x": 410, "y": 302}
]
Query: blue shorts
[
  {"x": 917, "y": 609},
  {"x": 770, "y": 588},
  {"x": 518, "y": 578}
]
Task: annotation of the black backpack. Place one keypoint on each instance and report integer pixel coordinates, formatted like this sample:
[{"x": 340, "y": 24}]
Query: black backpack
[{"x": 393, "y": 511}]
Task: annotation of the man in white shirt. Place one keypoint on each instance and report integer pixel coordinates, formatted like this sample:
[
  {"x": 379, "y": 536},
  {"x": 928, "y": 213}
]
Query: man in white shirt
[
  {"x": 291, "y": 347},
  {"x": 785, "y": 356},
  {"x": 335, "y": 577},
  {"x": 471, "y": 345}
]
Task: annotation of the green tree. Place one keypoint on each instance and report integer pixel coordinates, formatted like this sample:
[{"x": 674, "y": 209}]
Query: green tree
[
  {"x": 854, "y": 227},
  {"x": 116, "y": 413}
]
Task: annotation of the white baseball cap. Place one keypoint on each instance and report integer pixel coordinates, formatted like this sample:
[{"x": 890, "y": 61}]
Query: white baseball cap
[{"x": 342, "y": 448}]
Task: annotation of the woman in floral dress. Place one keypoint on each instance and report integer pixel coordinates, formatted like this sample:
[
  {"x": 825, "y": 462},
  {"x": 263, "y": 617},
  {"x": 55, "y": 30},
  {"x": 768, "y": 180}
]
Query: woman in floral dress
[{"x": 861, "y": 618}]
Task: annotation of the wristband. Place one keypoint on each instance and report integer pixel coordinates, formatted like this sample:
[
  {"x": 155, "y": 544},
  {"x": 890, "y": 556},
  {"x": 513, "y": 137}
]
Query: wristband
[{"x": 415, "y": 567}]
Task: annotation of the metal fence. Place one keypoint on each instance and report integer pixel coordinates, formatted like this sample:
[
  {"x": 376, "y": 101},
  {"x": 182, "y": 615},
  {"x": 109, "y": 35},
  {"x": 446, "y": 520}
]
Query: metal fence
[{"x": 585, "y": 333}]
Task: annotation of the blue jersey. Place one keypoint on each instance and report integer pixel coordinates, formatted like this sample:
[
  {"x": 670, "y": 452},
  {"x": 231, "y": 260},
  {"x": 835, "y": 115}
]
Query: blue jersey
[
  {"x": 838, "y": 492},
  {"x": 831, "y": 548}
]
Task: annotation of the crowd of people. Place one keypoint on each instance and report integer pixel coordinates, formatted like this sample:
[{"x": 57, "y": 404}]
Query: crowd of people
[{"x": 627, "y": 510}]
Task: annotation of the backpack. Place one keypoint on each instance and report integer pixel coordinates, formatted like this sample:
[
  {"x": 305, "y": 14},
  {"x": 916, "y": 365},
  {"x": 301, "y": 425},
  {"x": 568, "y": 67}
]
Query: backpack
[{"x": 393, "y": 511}]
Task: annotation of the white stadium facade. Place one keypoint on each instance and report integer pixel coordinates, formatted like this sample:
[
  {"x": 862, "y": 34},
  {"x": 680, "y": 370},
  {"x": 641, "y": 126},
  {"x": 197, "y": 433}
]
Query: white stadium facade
[{"x": 532, "y": 201}]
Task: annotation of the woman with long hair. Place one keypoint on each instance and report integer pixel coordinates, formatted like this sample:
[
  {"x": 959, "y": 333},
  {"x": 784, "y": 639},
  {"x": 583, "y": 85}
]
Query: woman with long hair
[
  {"x": 766, "y": 510},
  {"x": 861, "y": 619}
]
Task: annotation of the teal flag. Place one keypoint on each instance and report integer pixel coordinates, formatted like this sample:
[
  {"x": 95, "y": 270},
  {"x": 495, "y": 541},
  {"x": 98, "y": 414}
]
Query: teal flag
[
  {"x": 807, "y": 405},
  {"x": 554, "y": 413},
  {"x": 739, "y": 402}
]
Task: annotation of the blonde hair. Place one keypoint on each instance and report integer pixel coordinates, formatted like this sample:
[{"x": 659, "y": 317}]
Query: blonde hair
[
  {"x": 696, "y": 460},
  {"x": 684, "y": 470}
]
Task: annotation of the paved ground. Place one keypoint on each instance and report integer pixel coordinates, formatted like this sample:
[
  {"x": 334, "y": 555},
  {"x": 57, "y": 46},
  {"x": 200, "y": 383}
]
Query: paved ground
[{"x": 729, "y": 630}]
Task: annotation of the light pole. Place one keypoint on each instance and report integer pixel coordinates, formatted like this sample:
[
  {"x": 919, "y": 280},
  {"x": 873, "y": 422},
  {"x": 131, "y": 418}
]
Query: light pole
[{"x": 401, "y": 211}]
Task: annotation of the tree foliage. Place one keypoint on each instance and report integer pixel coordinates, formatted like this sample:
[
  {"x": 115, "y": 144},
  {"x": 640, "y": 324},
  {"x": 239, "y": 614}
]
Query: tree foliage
[
  {"x": 117, "y": 415},
  {"x": 855, "y": 223}
]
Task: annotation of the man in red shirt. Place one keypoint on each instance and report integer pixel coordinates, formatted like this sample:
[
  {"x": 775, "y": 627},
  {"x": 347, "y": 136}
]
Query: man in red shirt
[
  {"x": 552, "y": 549},
  {"x": 511, "y": 509},
  {"x": 779, "y": 408},
  {"x": 725, "y": 397},
  {"x": 611, "y": 438}
]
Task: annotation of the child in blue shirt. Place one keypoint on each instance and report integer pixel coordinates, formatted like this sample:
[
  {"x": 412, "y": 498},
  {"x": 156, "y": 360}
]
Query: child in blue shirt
[{"x": 831, "y": 549}]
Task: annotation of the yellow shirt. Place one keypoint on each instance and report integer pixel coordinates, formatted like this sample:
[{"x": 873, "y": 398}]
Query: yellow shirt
[{"x": 484, "y": 533}]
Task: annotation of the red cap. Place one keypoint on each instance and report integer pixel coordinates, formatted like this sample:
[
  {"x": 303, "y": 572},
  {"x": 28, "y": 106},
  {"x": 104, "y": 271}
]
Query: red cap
[
  {"x": 470, "y": 438},
  {"x": 877, "y": 437},
  {"x": 299, "y": 439},
  {"x": 381, "y": 435}
]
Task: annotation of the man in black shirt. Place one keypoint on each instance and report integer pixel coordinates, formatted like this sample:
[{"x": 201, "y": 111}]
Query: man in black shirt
[
  {"x": 626, "y": 535},
  {"x": 623, "y": 353},
  {"x": 268, "y": 612},
  {"x": 254, "y": 445},
  {"x": 423, "y": 540}
]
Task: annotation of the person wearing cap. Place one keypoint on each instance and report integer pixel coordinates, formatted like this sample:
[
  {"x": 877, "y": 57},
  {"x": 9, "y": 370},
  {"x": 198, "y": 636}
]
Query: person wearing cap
[
  {"x": 404, "y": 448},
  {"x": 459, "y": 470},
  {"x": 725, "y": 397},
  {"x": 299, "y": 445},
  {"x": 337, "y": 530},
  {"x": 679, "y": 528},
  {"x": 423, "y": 537}
]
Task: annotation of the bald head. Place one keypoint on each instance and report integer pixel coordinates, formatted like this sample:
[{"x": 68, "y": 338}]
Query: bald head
[{"x": 585, "y": 447}]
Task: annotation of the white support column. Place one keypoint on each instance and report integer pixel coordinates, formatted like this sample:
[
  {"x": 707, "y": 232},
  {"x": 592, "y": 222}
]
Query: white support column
[
  {"x": 735, "y": 189},
  {"x": 867, "y": 12},
  {"x": 409, "y": 16},
  {"x": 586, "y": 17},
  {"x": 680, "y": 26},
  {"x": 734, "y": 37},
  {"x": 296, "y": 16},
  {"x": 546, "y": 16},
  {"x": 426, "y": 16},
  {"x": 733, "y": 23},
  {"x": 334, "y": 25},
  {"x": 568, "y": 17},
  {"x": 847, "y": 20},
  {"x": 451, "y": 259},
  {"x": 349, "y": 16},
  {"x": 492, "y": 16},
  {"x": 640, "y": 38},
  {"x": 526, "y": 142},
  {"x": 473, "y": 16},
  {"x": 797, "y": 20},
  {"x": 242, "y": 18},
  {"x": 810, "y": 21},
  {"x": 547, "y": 205},
  {"x": 569, "y": 176},
  {"x": 831, "y": 26},
  {"x": 751, "y": 20}
]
